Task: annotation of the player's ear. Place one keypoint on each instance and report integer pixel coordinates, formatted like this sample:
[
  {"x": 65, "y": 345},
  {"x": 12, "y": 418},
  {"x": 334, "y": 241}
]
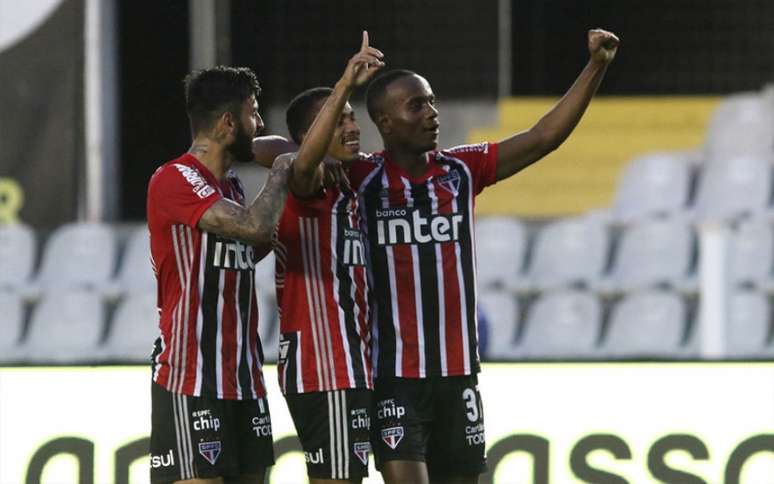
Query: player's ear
[{"x": 384, "y": 123}]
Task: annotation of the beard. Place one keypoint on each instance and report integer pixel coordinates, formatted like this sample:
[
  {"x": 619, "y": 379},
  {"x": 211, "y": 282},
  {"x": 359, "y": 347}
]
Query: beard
[{"x": 242, "y": 147}]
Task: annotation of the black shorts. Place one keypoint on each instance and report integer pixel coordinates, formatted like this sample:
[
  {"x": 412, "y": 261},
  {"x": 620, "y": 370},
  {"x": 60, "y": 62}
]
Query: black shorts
[
  {"x": 334, "y": 430},
  {"x": 439, "y": 421},
  {"x": 197, "y": 437}
]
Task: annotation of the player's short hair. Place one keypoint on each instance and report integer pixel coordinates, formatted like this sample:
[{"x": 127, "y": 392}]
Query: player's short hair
[
  {"x": 378, "y": 87},
  {"x": 299, "y": 116},
  {"x": 211, "y": 92}
]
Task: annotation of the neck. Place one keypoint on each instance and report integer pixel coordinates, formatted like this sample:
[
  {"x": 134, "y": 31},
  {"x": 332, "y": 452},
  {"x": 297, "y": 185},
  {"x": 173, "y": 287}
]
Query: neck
[
  {"x": 413, "y": 163},
  {"x": 211, "y": 154}
]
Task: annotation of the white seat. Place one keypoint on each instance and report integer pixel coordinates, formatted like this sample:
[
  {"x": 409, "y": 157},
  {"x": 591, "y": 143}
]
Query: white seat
[
  {"x": 136, "y": 272},
  {"x": 567, "y": 253},
  {"x": 79, "y": 255},
  {"x": 652, "y": 253},
  {"x": 134, "y": 329},
  {"x": 651, "y": 185},
  {"x": 12, "y": 309},
  {"x": 645, "y": 325},
  {"x": 749, "y": 326},
  {"x": 18, "y": 246},
  {"x": 742, "y": 124},
  {"x": 268, "y": 325},
  {"x": 730, "y": 188},
  {"x": 66, "y": 327},
  {"x": 499, "y": 311},
  {"x": 562, "y": 324},
  {"x": 752, "y": 253},
  {"x": 501, "y": 244}
]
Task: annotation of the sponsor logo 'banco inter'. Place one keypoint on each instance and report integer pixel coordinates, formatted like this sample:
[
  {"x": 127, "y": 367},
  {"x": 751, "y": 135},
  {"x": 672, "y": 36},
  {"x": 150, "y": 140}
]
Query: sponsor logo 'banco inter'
[{"x": 407, "y": 226}]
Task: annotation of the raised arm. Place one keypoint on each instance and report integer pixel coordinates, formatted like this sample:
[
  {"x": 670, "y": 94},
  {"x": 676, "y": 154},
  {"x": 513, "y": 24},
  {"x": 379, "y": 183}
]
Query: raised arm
[
  {"x": 522, "y": 149},
  {"x": 266, "y": 149},
  {"x": 255, "y": 224},
  {"x": 306, "y": 176}
]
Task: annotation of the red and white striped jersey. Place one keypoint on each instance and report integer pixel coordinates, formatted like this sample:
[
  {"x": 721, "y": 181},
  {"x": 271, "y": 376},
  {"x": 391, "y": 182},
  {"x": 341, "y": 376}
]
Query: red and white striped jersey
[
  {"x": 209, "y": 343},
  {"x": 322, "y": 295},
  {"x": 421, "y": 260}
]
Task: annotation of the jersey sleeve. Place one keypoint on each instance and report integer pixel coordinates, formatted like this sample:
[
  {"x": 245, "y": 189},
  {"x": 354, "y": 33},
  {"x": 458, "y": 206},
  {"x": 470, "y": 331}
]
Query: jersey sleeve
[
  {"x": 481, "y": 160},
  {"x": 181, "y": 195},
  {"x": 361, "y": 169}
]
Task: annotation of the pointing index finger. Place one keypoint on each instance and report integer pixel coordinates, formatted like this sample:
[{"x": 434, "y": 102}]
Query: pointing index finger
[{"x": 364, "y": 45}]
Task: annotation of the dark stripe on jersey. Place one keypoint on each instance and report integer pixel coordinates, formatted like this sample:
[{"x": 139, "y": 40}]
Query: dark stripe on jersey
[
  {"x": 428, "y": 278},
  {"x": 291, "y": 369},
  {"x": 244, "y": 300},
  {"x": 346, "y": 300},
  {"x": 377, "y": 261},
  {"x": 210, "y": 317},
  {"x": 466, "y": 259}
]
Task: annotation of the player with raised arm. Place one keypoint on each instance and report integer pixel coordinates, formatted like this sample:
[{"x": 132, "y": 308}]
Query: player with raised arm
[
  {"x": 210, "y": 420},
  {"x": 322, "y": 292},
  {"x": 417, "y": 204}
]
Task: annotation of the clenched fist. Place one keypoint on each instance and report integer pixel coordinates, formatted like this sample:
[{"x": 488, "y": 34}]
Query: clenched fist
[{"x": 602, "y": 45}]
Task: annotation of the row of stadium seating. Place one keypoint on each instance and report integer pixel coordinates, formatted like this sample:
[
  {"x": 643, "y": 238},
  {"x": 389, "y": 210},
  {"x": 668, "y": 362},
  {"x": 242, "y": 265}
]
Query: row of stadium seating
[{"x": 76, "y": 326}]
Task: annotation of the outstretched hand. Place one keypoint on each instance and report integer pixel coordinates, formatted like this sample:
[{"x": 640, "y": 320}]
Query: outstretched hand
[
  {"x": 363, "y": 65},
  {"x": 602, "y": 45}
]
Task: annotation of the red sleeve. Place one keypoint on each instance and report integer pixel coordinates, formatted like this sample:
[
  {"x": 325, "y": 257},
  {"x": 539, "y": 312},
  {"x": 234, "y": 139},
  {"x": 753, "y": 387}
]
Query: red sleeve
[
  {"x": 360, "y": 169},
  {"x": 481, "y": 160},
  {"x": 181, "y": 195}
]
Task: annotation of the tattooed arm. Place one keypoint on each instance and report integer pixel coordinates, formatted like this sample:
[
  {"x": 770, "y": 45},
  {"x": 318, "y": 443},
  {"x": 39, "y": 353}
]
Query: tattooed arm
[{"x": 253, "y": 225}]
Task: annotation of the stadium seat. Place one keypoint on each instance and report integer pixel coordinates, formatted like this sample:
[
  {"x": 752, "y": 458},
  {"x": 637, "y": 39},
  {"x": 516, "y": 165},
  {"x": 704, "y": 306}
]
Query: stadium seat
[
  {"x": 752, "y": 253},
  {"x": 648, "y": 324},
  {"x": 268, "y": 325},
  {"x": 501, "y": 245},
  {"x": 749, "y": 326},
  {"x": 501, "y": 312},
  {"x": 730, "y": 188},
  {"x": 743, "y": 124},
  {"x": 567, "y": 253},
  {"x": 18, "y": 246},
  {"x": 12, "y": 309},
  {"x": 653, "y": 253},
  {"x": 78, "y": 255},
  {"x": 136, "y": 273},
  {"x": 657, "y": 184},
  {"x": 66, "y": 327},
  {"x": 134, "y": 329},
  {"x": 562, "y": 324}
]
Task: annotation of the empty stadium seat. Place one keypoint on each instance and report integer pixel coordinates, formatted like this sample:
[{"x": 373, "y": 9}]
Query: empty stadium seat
[
  {"x": 79, "y": 255},
  {"x": 134, "y": 328},
  {"x": 66, "y": 327},
  {"x": 12, "y": 323},
  {"x": 501, "y": 245},
  {"x": 749, "y": 325},
  {"x": 743, "y": 124},
  {"x": 653, "y": 253},
  {"x": 268, "y": 324},
  {"x": 730, "y": 188},
  {"x": 649, "y": 324},
  {"x": 136, "y": 272},
  {"x": 568, "y": 252},
  {"x": 751, "y": 254},
  {"x": 501, "y": 312},
  {"x": 562, "y": 324},
  {"x": 652, "y": 185},
  {"x": 18, "y": 245}
]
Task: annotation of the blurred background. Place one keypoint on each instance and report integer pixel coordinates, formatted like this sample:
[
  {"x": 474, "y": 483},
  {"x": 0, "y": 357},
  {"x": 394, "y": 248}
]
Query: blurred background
[{"x": 647, "y": 237}]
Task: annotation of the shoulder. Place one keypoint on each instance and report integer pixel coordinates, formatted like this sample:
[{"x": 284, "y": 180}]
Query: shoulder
[
  {"x": 179, "y": 174},
  {"x": 468, "y": 149}
]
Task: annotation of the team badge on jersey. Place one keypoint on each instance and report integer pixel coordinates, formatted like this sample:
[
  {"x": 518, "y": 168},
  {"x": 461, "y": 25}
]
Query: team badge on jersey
[
  {"x": 210, "y": 451},
  {"x": 361, "y": 451},
  {"x": 450, "y": 182},
  {"x": 392, "y": 436}
]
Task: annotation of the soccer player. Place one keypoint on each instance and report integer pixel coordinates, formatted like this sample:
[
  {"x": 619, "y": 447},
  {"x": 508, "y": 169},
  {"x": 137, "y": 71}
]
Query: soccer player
[
  {"x": 417, "y": 205},
  {"x": 210, "y": 420},
  {"x": 324, "y": 366}
]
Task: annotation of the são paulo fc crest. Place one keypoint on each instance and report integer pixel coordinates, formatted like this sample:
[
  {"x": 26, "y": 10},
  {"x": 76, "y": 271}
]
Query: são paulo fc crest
[
  {"x": 361, "y": 451},
  {"x": 450, "y": 182},
  {"x": 392, "y": 436},
  {"x": 210, "y": 451}
]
